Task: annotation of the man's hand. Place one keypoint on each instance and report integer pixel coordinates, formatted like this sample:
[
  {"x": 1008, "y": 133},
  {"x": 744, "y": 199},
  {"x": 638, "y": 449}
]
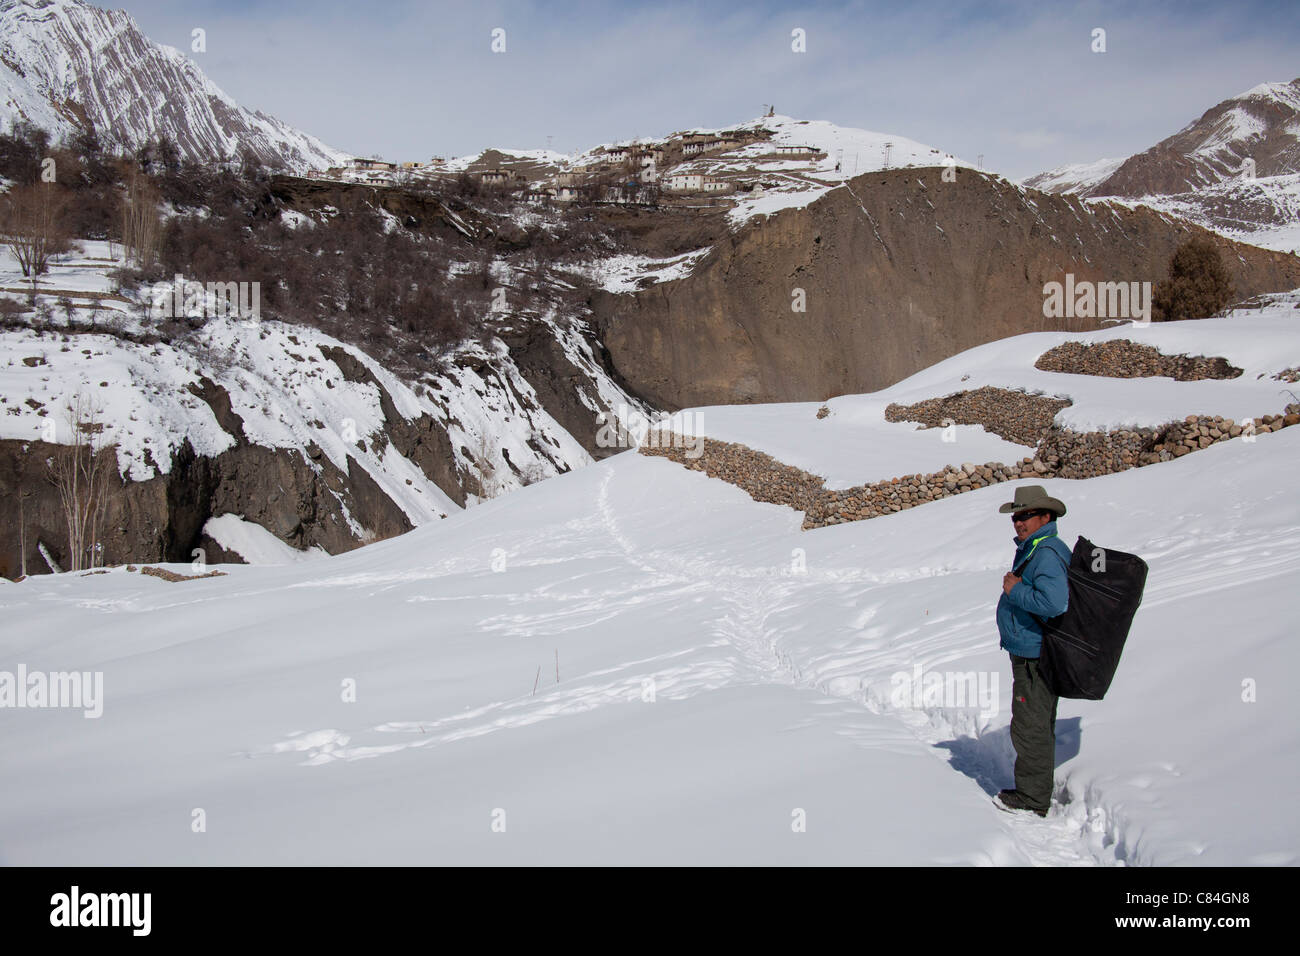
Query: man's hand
[{"x": 1009, "y": 581}]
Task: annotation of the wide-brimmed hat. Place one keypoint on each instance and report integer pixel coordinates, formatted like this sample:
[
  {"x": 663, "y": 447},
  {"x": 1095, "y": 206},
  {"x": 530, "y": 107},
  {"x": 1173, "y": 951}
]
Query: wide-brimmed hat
[{"x": 1033, "y": 498}]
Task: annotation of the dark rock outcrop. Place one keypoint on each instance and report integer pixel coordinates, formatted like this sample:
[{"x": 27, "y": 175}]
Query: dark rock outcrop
[
  {"x": 162, "y": 519},
  {"x": 423, "y": 440}
]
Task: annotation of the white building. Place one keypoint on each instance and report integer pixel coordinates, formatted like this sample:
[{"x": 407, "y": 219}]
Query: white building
[{"x": 685, "y": 182}]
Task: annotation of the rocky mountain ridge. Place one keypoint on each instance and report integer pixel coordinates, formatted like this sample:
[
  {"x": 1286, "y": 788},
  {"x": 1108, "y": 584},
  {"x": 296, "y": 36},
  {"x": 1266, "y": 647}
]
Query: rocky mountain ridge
[{"x": 67, "y": 66}]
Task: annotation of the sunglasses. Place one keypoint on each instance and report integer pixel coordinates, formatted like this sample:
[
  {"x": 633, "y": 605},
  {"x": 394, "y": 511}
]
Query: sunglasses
[{"x": 1026, "y": 515}]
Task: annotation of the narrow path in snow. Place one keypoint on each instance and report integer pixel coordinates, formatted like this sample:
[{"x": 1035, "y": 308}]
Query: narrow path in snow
[{"x": 1073, "y": 834}]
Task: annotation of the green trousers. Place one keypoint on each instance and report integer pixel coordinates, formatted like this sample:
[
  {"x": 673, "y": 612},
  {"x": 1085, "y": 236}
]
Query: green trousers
[{"x": 1033, "y": 731}]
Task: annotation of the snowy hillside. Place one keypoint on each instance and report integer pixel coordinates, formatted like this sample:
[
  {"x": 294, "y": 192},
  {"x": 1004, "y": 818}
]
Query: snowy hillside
[
  {"x": 1264, "y": 212},
  {"x": 634, "y": 663},
  {"x": 289, "y": 387},
  {"x": 64, "y": 61}
]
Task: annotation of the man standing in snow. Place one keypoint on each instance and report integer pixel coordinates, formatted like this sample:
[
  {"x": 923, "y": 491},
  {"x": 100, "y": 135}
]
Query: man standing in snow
[{"x": 1036, "y": 588}]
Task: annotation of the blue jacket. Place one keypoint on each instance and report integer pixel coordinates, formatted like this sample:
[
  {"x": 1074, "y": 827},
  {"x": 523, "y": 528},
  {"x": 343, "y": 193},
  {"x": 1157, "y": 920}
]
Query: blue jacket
[{"x": 1042, "y": 592}]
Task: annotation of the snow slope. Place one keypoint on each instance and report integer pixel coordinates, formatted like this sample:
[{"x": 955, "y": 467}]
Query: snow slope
[
  {"x": 634, "y": 663},
  {"x": 1264, "y": 212},
  {"x": 254, "y": 543},
  {"x": 1080, "y": 178}
]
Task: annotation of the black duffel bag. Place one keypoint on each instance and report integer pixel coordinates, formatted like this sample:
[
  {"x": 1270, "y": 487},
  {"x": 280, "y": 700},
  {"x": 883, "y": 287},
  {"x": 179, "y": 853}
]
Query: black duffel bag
[{"x": 1081, "y": 647}]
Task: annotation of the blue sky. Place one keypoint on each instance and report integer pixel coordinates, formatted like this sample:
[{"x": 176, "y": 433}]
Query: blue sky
[{"x": 1016, "y": 82}]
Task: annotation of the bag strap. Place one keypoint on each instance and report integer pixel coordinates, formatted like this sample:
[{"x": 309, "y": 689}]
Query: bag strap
[{"x": 1024, "y": 564}]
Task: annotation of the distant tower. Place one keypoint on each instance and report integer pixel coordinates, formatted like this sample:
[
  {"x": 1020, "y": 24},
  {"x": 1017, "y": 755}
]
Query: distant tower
[
  {"x": 888, "y": 148},
  {"x": 979, "y": 161}
]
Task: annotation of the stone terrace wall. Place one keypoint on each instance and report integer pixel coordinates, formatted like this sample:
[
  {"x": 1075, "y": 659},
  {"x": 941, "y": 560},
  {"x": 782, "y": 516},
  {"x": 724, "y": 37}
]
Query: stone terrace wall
[
  {"x": 1061, "y": 454},
  {"x": 1014, "y": 415},
  {"x": 1122, "y": 358},
  {"x": 761, "y": 476}
]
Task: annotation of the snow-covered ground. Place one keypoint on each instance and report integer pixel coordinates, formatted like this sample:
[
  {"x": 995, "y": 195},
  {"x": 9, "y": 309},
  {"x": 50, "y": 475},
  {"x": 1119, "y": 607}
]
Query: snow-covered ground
[{"x": 634, "y": 663}]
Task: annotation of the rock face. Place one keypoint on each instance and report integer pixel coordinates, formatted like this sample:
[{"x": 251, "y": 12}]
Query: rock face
[
  {"x": 421, "y": 213},
  {"x": 300, "y": 497},
  {"x": 894, "y": 271},
  {"x": 423, "y": 439},
  {"x": 303, "y": 502},
  {"x": 298, "y": 493}
]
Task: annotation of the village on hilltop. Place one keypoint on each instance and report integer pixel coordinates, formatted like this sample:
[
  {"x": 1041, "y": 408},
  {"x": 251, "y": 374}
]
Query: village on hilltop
[{"x": 683, "y": 165}]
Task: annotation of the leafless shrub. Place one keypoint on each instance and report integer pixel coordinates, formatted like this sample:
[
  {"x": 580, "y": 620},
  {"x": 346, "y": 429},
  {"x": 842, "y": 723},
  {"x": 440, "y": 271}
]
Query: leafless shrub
[
  {"x": 32, "y": 219},
  {"x": 80, "y": 469},
  {"x": 141, "y": 224}
]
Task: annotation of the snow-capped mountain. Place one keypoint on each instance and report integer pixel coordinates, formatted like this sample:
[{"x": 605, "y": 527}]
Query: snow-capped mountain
[
  {"x": 64, "y": 63},
  {"x": 1082, "y": 179},
  {"x": 1256, "y": 133},
  {"x": 1233, "y": 171}
]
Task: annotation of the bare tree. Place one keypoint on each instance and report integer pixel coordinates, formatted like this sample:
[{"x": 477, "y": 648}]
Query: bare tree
[
  {"x": 32, "y": 219},
  {"x": 80, "y": 470},
  {"x": 22, "y": 534},
  {"x": 141, "y": 224}
]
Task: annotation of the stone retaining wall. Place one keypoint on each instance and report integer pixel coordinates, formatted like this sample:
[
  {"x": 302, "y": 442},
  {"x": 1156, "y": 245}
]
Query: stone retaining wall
[
  {"x": 761, "y": 476},
  {"x": 1016, "y": 416},
  {"x": 1122, "y": 358},
  {"x": 1062, "y": 453}
]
